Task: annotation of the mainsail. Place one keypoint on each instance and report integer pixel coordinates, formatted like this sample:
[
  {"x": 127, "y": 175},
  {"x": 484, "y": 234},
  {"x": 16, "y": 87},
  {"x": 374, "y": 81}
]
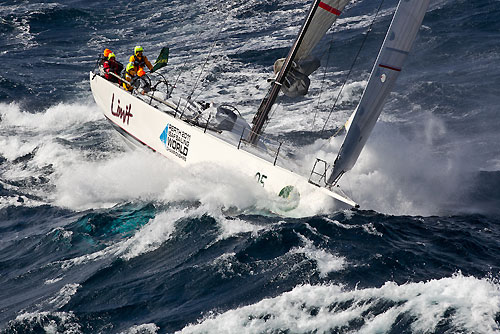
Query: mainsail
[
  {"x": 397, "y": 44},
  {"x": 323, "y": 19},
  {"x": 297, "y": 81},
  {"x": 321, "y": 15}
]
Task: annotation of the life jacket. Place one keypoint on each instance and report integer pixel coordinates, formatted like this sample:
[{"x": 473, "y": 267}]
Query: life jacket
[
  {"x": 140, "y": 63},
  {"x": 107, "y": 67},
  {"x": 114, "y": 67},
  {"x": 130, "y": 81}
]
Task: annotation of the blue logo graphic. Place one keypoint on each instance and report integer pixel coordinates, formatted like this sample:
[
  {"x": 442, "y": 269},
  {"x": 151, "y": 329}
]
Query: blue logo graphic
[{"x": 164, "y": 135}]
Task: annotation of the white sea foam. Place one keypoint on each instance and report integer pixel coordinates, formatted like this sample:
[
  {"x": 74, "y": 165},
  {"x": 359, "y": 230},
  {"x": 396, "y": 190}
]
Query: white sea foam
[
  {"x": 53, "y": 280},
  {"x": 51, "y": 322},
  {"x": 140, "y": 175},
  {"x": 325, "y": 261},
  {"x": 62, "y": 233},
  {"x": 19, "y": 201},
  {"x": 234, "y": 226},
  {"x": 55, "y": 119},
  {"x": 398, "y": 173},
  {"x": 64, "y": 295},
  {"x": 393, "y": 175},
  {"x": 152, "y": 235},
  {"x": 472, "y": 305},
  {"x": 142, "y": 329},
  {"x": 371, "y": 229},
  {"x": 339, "y": 224},
  {"x": 367, "y": 228},
  {"x": 13, "y": 147}
]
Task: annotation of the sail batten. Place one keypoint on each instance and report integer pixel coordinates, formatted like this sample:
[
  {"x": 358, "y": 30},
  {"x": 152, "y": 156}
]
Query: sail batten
[{"x": 394, "y": 51}]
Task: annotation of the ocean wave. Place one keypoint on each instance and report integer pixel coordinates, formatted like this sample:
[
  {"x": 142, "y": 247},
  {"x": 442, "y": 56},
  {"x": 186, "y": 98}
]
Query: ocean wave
[{"x": 457, "y": 303}]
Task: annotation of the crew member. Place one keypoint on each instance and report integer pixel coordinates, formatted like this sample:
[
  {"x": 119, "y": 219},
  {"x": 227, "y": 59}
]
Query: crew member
[
  {"x": 130, "y": 76},
  {"x": 106, "y": 55},
  {"x": 139, "y": 59},
  {"x": 136, "y": 79},
  {"x": 111, "y": 66}
]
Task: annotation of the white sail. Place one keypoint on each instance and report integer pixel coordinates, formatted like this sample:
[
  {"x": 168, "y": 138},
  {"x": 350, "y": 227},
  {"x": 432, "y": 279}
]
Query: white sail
[
  {"x": 292, "y": 72},
  {"x": 397, "y": 44},
  {"x": 297, "y": 81},
  {"x": 326, "y": 14}
]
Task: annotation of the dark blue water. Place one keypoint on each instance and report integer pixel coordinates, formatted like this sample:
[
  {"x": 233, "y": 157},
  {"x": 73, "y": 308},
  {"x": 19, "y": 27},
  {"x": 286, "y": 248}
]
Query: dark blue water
[{"x": 99, "y": 238}]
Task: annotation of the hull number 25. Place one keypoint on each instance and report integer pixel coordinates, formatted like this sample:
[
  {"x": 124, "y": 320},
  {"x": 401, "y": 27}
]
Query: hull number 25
[{"x": 260, "y": 178}]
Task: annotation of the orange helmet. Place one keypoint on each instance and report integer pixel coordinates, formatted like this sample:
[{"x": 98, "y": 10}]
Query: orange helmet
[{"x": 107, "y": 52}]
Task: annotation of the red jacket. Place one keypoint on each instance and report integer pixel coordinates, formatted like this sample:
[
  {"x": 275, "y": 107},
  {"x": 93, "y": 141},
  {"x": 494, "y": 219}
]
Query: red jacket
[{"x": 112, "y": 66}]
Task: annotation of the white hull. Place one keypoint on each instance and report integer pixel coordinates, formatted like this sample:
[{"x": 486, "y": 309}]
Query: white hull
[{"x": 190, "y": 144}]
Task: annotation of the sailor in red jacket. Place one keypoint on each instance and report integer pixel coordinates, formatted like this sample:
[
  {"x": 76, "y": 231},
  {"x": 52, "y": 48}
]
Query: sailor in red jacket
[
  {"x": 105, "y": 56},
  {"x": 112, "y": 66}
]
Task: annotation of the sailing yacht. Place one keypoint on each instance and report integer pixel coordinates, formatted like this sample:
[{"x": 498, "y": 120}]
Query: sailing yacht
[{"x": 191, "y": 132}]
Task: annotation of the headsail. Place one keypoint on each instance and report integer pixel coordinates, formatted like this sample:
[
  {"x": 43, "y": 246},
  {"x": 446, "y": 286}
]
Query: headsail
[
  {"x": 297, "y": 81},
  {"x": 397, "y": 44}
]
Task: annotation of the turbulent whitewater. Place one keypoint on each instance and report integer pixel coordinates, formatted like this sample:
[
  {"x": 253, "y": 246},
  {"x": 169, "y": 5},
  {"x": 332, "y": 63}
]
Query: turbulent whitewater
[{"x": 97, "y": 237}]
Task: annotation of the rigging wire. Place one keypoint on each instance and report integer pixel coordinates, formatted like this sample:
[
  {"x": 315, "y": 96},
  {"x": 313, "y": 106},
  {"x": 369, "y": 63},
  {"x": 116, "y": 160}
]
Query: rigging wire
[
  {"x": 202, "y": 70},
  {"x": 278, "y": 98},
  {"x": 206, "y": 59},
  {"x": 180, "y": 72},
  {"x": 324, "y": 76},
  {"x": 350, "y": 71}
]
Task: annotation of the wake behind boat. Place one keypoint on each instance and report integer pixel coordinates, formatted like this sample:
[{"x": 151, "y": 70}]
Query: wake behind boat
[{"x": 192, "y": 132}]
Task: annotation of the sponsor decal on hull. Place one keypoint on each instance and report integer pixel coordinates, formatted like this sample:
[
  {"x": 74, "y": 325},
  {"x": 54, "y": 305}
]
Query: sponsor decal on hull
[
  {"x": 123, "y": 114},
  {"x": 176, "y": 141}
]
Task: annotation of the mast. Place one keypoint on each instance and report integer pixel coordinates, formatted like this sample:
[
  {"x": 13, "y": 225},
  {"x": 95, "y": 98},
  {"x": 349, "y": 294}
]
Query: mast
[
  {"x": 394, "y": 51},
  {"x": 268, "y": 101}
]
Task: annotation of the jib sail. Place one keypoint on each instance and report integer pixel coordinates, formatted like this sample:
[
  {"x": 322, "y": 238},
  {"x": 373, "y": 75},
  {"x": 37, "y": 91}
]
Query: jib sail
[{"x": 397, "y": 44}]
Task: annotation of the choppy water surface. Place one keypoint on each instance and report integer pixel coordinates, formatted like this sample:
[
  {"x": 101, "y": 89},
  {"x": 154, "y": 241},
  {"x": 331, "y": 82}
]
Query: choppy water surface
[{"x": 99, "y": 238}]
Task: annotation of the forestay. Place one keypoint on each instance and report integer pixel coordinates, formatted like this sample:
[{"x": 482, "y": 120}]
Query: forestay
[{"x": 397, "y": 44}]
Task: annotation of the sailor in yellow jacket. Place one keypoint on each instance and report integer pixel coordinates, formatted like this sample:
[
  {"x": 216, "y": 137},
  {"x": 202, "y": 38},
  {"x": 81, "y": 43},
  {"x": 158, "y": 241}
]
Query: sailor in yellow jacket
[
  {"x": 139, "y": 59},
  {"x": 130, "y": 74},
  {"x": 133, "y": 79}
]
